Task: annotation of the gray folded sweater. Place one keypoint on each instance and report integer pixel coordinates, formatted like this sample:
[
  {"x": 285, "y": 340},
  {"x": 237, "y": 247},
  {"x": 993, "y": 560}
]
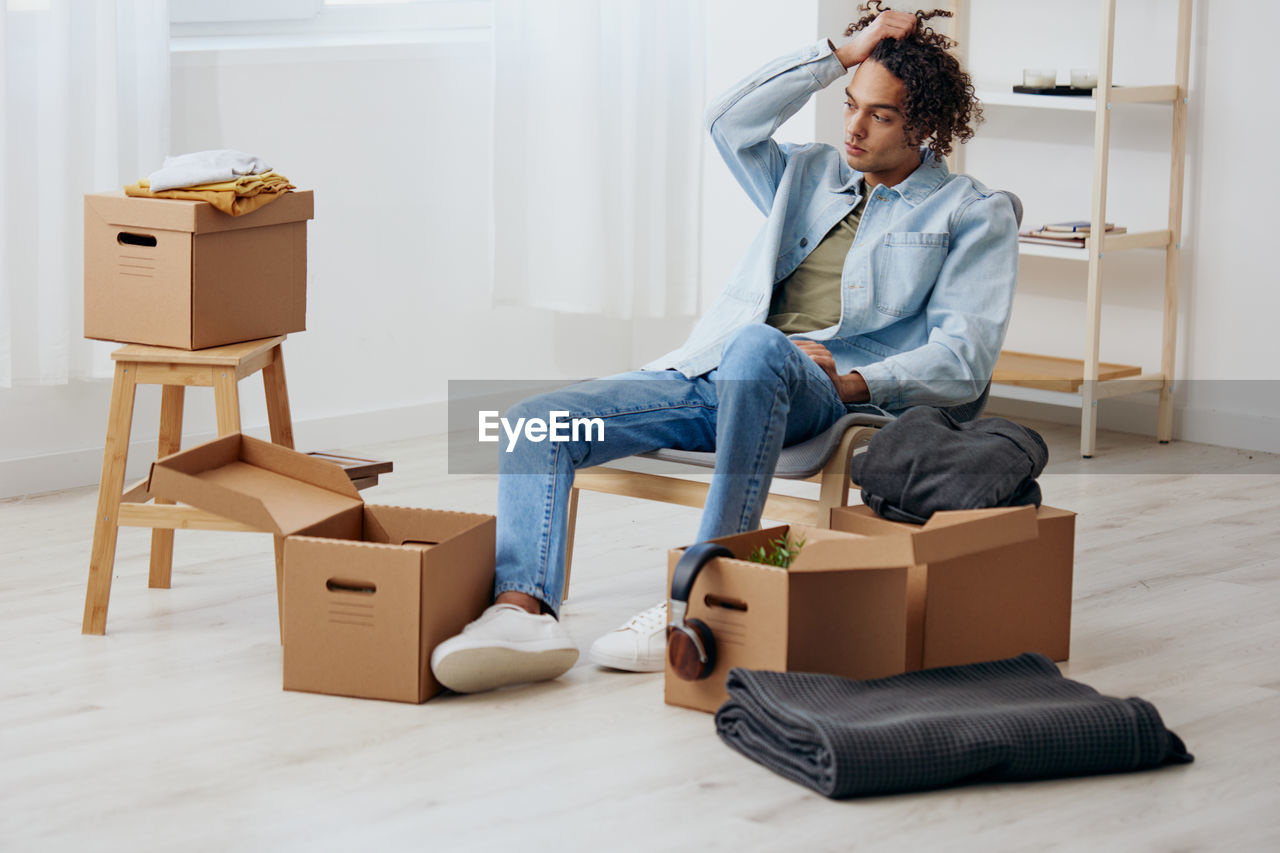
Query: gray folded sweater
[{"x": 927, "y": 460}]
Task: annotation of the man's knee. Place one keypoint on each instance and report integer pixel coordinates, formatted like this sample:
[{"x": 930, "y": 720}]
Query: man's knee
[
  {"x": 755, "y": 348},
  {"x": 757, "y": 341}
]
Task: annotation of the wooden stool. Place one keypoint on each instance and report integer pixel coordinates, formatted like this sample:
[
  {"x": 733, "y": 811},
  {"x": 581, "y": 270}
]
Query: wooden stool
[{"x": 220, "y": 367}]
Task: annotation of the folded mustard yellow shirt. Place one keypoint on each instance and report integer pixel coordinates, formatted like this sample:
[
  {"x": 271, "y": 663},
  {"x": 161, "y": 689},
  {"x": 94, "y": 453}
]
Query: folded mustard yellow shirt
[{"x": 235, "y": 198}]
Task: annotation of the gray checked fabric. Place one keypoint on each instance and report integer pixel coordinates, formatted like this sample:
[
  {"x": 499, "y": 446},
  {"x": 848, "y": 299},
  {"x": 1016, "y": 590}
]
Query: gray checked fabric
[{"x": 1002, "y": 720}]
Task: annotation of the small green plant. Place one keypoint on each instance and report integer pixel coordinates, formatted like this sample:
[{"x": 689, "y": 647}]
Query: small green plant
[{"x": 780, "y": 552}]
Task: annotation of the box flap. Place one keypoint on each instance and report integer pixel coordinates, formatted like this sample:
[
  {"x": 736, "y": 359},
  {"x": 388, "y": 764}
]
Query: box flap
[
  {"x": 255, "y": 482},
  {"x": 947, "y": 534},
  {"x": 833, "y": 550},
  {"x": 176, "y": 214},
  {"x": 827, "y": 550},
  {"x": 860, "y": 539}
]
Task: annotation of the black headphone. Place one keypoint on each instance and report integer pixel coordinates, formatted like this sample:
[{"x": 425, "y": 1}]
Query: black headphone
[{"x": 691, "y": 649}]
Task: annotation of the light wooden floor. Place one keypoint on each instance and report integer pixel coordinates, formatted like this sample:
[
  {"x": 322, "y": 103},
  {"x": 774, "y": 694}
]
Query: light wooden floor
[{"x": 172, "y": 731}]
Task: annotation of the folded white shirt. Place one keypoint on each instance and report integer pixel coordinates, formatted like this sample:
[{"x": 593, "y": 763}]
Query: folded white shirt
[{"x": 205, "y": 167}]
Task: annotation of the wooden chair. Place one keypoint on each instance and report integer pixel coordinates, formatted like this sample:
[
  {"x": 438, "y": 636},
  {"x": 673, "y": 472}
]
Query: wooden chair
[
  {"x": 823, "y": 459},
  {"x": 220, "y": 367}
]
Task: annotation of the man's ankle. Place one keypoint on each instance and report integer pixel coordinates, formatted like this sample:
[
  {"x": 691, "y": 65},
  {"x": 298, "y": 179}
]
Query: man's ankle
[{"x": 522, "y": 600}]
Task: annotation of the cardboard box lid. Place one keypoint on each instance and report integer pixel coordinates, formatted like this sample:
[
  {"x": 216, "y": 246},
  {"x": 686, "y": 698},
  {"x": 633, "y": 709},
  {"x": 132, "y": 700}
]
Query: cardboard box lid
[
  {"x": 264, "y": 485},
  {"x": 867, "y": 541},
  {"x": 832, "y": 550},
  {"x": 826, "y": 550},
  {"x": 946, "y": 535},
  {"x": 177, "y": 214}
]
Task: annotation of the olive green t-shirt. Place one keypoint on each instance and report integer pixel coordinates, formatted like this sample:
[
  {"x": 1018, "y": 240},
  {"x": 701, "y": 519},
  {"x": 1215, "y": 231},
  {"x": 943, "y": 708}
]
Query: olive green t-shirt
[{"x": 809, "y": 298}]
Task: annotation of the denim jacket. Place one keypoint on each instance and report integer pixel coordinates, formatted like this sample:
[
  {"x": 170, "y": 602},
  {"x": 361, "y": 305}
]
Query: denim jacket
[{"x": 928, "y": 283}]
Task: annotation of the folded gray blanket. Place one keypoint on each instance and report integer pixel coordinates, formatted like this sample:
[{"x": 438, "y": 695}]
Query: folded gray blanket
[{"x": 1001, "y": 720}]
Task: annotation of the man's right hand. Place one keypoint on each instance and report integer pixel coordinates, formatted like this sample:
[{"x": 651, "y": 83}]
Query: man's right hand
[{"x": 887, "y": 25}]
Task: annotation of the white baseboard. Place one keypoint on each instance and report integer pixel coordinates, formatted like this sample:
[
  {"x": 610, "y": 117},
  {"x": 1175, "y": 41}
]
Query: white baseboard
[
  {"x": 75, "y": 468},
  {"x": 1137, "y": 416}
]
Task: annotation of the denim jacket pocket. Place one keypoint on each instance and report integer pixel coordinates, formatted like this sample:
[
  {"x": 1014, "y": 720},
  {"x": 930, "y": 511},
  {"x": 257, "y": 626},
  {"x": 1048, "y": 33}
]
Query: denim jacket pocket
[{"x": 905, "y": 266}]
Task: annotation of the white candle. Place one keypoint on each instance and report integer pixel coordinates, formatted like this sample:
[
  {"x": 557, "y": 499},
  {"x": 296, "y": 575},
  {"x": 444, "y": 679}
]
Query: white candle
[
  {"x": 1083, "y": 78},
  {"x": 1039, "y": 78}
]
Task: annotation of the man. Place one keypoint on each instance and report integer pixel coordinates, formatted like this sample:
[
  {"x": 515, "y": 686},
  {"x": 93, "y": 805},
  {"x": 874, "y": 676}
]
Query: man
[{"x": 899, "y": 275}]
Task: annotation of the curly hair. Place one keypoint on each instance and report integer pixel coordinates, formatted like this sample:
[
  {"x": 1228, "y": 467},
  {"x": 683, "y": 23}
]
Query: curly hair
[{"x": 940, "y": 102}]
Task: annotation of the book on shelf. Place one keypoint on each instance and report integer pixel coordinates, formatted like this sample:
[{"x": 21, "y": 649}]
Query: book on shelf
[
  {"x": 1078, "y": 226},
  {"x": 1066, "y": 238},
  {"x": 1066, "y": 241}
]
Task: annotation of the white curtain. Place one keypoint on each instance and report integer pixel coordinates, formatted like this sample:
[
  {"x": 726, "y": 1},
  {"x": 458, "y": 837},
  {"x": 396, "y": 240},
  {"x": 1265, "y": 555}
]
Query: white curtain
[
  {"x": 84, "y": 107},
  {"x": 597, "y": 136}
]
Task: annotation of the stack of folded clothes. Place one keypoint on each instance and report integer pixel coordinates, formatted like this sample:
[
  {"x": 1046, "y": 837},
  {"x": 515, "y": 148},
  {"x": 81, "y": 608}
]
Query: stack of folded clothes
[{"x": 232, "y": 181}]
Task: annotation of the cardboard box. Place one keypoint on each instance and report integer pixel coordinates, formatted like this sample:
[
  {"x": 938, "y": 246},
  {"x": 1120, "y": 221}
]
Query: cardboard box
[
  {"x": 842, "y": 607},
  {"x": 992, "y": 603},
  {"x": 369, "y": 591},
  {"x": 178, "y": 273}
]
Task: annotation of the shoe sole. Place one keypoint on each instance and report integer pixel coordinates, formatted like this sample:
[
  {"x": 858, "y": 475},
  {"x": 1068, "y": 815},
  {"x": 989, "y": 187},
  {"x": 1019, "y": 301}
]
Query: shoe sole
[
  {"x": 480, "y": 669},
  {"x": 626, "y": 664}
]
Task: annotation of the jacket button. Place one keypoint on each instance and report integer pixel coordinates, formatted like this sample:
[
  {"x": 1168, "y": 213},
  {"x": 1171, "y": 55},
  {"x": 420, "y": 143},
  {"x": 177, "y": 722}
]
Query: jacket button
[{"x": 804, "y": 241}]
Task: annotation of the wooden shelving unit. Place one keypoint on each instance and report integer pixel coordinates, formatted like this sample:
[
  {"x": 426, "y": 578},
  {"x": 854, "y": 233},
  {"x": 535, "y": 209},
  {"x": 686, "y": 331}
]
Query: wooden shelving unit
[{"x": 1087, "y": 377}]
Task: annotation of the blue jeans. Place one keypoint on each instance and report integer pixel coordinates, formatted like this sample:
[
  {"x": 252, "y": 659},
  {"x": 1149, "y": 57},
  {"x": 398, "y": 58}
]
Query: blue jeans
[{"x": 765, "y": 394}]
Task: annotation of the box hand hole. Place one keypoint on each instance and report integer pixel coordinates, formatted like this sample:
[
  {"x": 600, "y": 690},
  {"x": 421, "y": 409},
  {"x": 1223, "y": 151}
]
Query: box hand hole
[
  {"x": 124, "y": 238},
  {"x": 725, "y": 603},
  {"x": 342, "y": 585}
]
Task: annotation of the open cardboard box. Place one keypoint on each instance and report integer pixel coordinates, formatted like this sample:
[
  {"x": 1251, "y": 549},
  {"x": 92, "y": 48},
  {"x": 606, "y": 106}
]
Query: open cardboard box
[
  {"x": 990, "y": 603},
  {"x": 850, "y": 604},
  {"x": 179, "y": 273},
  {"x": 369, "y": 591}
]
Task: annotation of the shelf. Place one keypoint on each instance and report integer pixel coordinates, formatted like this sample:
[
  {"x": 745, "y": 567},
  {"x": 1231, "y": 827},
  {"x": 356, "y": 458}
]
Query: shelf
[
  {"x": 1044, "y": 250},
  {"x": 1112, "y": 243},
  {"x": 1050, "y": 373},
  {"x": 1079, "y": 103},
  {"x": 1061, "y": 381},
  {"x": 1075, "y": 103}
]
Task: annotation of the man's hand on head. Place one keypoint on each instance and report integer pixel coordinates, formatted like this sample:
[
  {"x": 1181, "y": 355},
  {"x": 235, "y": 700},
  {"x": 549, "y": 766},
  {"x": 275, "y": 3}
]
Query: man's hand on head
[
  {"x": 887, "y": 25},
  {"x": 851, "y": 387}
]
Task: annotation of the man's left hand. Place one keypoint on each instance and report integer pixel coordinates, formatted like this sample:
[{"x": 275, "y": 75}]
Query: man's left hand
[{"x": 851, "y": 387}]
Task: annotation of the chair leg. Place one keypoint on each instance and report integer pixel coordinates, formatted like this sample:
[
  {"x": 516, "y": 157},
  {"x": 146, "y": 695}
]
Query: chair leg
[
  {"x": 106, "y": 526},
  {"x": 568, "y": 541},
  {"x": 834, "y": 491},
  {"x": 278, "y": 400},
  {"x": 172, "y": 398}
]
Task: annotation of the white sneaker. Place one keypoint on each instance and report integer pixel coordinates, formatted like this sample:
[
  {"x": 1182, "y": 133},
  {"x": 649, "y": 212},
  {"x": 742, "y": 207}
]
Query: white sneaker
[
  {"x": 506, "y": 645},
  {"x": 638, "y": 646}
]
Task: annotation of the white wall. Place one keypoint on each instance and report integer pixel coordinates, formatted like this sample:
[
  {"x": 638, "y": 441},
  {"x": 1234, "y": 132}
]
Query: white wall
[{"x": 394, "y": 140}]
